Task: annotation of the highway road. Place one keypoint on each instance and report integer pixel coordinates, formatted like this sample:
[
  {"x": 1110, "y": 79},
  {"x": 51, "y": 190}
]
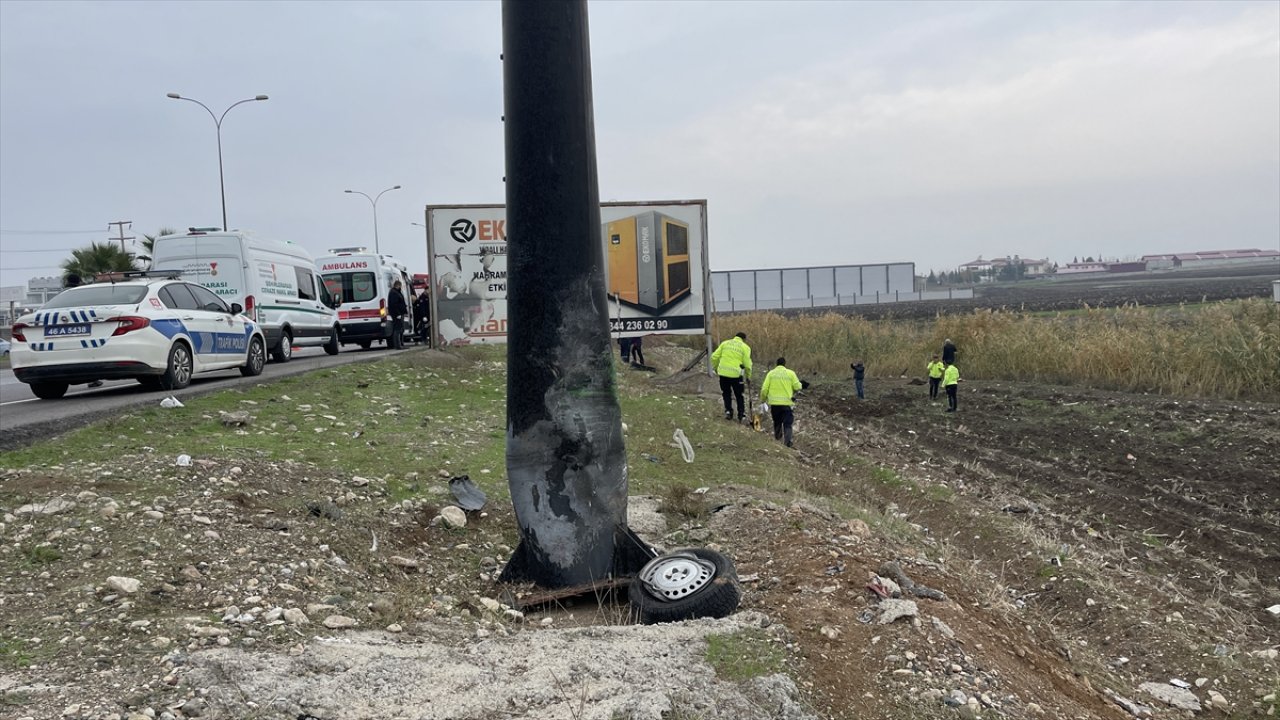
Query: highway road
[{"x": 24, "y": 417}]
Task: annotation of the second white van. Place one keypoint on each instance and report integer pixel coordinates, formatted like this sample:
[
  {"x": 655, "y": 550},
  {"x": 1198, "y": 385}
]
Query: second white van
[
  {"x": 363, "y": 280},
  {"x": 274, "y": 281}
]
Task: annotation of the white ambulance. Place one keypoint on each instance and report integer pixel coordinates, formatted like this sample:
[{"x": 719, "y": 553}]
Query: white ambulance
[
  {"x": 363, "y": 280},
  {"x": 275, "y": 281}
]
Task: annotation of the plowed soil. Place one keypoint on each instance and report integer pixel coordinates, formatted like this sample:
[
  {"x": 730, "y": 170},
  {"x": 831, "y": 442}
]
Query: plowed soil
[{"x": 1139, "y": 530}]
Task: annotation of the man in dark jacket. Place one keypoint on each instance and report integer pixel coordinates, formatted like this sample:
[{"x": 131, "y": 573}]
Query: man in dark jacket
[
  {"x": 422, "y": 318},
  {"x": 858, "y": 372},
  {"x": 948, "y": 352},
  {"x": 397, "y": 308}
]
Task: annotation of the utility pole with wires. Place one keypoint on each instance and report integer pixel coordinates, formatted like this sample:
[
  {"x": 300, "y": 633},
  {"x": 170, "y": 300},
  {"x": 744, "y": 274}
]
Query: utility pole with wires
[{"x": 120, "y": 227}]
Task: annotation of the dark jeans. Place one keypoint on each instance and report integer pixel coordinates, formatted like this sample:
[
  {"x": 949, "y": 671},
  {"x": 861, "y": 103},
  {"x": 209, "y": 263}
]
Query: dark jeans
[
  {"x": 951, "y": 397},
  {"x": 397, "y": 333},
  {"x": 730, "y": 385},
  {"x": 858, "y": 385},
  {"x": 783, "y": 417},
  {"x": 637, "y": 352},
  {"x": 933, "y": 387}
]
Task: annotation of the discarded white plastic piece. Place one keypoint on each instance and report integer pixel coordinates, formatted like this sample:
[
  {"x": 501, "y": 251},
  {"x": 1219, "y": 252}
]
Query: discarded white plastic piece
[
  {"x": 682, "y": 442},
  {"x": 1274, "y": 610},
  {"x": 184, "y": 460},
  {"x": 171, "y": 402}
]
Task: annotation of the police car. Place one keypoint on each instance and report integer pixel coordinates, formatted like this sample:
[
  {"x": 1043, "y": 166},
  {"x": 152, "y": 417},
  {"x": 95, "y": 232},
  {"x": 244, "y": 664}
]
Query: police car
[{"x": 150, "y": 326}]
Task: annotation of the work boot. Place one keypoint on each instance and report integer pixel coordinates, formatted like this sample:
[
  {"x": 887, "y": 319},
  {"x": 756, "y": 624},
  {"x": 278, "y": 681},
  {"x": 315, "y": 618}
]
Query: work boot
[{"x": 728, "y": 414}]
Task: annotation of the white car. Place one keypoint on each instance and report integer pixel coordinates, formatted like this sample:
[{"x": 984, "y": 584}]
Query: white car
[
  {"x": 4, "y": 347},
  {"x": 144, "y": 325}
]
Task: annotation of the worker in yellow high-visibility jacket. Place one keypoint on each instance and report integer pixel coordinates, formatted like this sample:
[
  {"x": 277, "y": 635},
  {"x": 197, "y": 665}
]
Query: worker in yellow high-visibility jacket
[
  {"x": 935, "y": 377},
  {"x": 732, "y": 362},
  {"x": 951, "y": 381},
  {"x": 778, "y": 391}
]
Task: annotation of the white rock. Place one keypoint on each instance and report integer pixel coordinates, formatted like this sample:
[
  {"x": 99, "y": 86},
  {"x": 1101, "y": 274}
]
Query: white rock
[
  {"x": 490, "y": 604},
  {"x": 123, "y": 584},
  {"x": 1170, "y": 695},
  {"x": 359, "y": 481},
  {"x": 453, "y": 516},
  {"x": 892, "y": 609},
  {"x": 50, "y": 507},
  {"x": 394, "y": 628},
  {"x": 404, "y": 562},
  {"x": 338, "y": 622},
  {"x": 295, "y": 616},
  {"x": 1217, "y": 700}
]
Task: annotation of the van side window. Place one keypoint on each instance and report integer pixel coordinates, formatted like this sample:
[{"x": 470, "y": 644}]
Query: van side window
[
  {"x": 178, "y": 297},
  {"x": 306, "y": 284}
]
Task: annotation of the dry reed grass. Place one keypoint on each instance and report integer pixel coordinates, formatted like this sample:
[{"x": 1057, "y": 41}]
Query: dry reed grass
[{"x": 1228, "y": 349}]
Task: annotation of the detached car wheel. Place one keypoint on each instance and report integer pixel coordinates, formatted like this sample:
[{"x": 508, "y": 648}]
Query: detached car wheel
[
  {"x": 256, "y": 360},
  {"x": 181, "y": 365},
  {"x": 690, "y": 583},
  {"x": 49, "y": 390}
]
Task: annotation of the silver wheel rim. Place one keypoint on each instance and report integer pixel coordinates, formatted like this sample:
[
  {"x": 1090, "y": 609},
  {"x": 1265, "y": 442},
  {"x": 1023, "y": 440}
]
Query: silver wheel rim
[
  {"x": 257, "y": 357},
  {"x": 181, "y": 365},
  {"x": 676, "y": 576},
  {"x": 286, "y": 347}
]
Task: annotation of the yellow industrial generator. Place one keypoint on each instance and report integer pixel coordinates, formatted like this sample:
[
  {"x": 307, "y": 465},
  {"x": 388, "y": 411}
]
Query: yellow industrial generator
[{"x": 648, "y": 260}]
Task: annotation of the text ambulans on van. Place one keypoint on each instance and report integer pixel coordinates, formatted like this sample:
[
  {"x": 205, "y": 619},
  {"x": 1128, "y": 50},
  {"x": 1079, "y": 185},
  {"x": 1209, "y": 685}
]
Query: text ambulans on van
[
  {"x": 362, "y": 280},
  {"x": 273, "y": 280}
]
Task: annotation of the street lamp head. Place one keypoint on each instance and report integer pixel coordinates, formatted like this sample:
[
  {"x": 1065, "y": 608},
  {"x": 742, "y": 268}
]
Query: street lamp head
[
  {"x": 348, "y": 191},
  {"x": 260, "y": 97},
  {"x": 397, "y": 187},
  {"x": 175, "y": 96}
]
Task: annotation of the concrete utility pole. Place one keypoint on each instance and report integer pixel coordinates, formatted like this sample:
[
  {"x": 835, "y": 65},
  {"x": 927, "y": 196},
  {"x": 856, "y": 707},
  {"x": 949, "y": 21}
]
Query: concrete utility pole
[
  {"x": 566, "y": 461},
  {"x": 120, "y": 226}
]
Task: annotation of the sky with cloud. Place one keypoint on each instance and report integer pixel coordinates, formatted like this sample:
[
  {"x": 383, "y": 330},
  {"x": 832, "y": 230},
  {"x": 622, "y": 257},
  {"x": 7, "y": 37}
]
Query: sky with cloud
[{"x": 819, "y": 132}]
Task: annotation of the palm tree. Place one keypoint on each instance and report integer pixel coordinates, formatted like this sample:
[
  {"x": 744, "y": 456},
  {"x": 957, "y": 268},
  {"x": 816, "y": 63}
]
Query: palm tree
[
  {"x": 97, "y": 258},
  {"x": 149, "y": 246}
]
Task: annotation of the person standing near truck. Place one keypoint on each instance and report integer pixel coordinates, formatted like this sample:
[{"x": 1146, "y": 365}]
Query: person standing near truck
[
  {"x": 397, "y": 308},
  {"x": 422, "y": 318}
]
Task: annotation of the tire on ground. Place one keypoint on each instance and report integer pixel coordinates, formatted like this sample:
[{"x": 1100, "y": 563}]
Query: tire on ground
[
  {"x": 717, "y": 599},
  {"x": 331, "y": 347}
]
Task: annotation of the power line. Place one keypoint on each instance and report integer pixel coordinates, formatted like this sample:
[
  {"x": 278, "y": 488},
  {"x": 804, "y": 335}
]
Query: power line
[{"x": 49, "y": 232}]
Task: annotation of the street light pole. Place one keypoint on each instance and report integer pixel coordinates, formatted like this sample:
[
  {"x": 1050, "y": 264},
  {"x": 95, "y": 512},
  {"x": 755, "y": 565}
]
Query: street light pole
[
  {"x": 374, "y": 202},
  {"x": 217, "y": 122}
]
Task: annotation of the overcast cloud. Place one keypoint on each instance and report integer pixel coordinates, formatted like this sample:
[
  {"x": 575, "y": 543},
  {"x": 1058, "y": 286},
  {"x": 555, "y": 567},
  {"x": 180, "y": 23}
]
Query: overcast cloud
[{"x": 819, "y": 133}]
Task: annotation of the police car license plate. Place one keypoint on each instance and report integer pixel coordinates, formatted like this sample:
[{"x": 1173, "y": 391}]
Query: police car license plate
[{"x": 66, "y": 330}]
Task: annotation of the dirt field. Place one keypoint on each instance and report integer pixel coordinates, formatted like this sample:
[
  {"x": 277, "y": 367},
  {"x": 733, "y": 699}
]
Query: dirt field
[{"x": 1131, "y": 526}]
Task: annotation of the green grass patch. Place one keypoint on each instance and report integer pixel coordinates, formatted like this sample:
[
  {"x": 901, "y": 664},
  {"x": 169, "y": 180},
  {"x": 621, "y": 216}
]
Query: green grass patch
[
  {"x": 42, "y": 554},
  {"x": 744, "y": 655}
]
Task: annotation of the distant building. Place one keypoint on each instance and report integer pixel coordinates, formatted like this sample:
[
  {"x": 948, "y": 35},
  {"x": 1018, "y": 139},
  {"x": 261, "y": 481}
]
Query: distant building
[
  {"x": 1031, "y": 267},
  {"x": 1209, "y": 258},
  {"x": 1079, "y": 268}
]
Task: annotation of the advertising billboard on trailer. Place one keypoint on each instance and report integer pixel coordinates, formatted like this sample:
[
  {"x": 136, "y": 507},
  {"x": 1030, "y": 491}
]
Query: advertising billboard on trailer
[{"x": 655, "y": 264}]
